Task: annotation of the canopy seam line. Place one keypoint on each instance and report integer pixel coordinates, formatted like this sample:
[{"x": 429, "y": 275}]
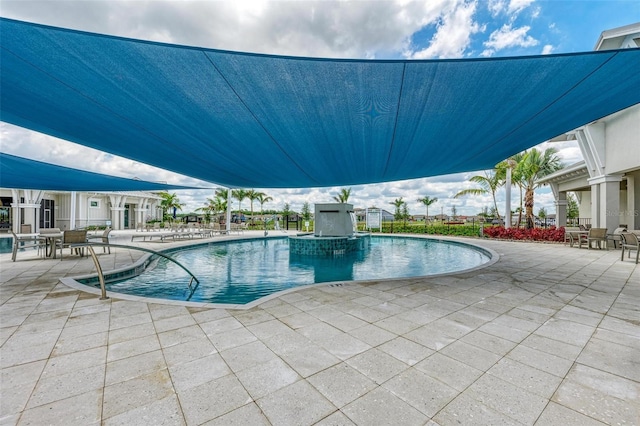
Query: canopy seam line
[
  {"x": 582, "y": 80},
  {"x": 256, "y": 118},
  {"x": 395, "y": 123}
]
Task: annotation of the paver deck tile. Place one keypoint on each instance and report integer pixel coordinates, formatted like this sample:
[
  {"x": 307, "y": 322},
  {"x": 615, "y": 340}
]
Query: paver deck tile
[{"x": 547, "y": 335}]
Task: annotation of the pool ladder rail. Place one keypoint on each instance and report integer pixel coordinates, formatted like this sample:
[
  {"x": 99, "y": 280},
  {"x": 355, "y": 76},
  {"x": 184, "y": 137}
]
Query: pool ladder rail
[{"x": 103, "y": 296}]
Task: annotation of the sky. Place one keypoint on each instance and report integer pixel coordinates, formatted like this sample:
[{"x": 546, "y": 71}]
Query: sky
[{"x": 433, "y": 29}]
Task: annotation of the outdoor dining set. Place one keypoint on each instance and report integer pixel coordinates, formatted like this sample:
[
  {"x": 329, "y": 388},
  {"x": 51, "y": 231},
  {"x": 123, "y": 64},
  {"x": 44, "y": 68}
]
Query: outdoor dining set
[
  {"x": 51, "y": 240},
  {"x": 598, "y": 237}
]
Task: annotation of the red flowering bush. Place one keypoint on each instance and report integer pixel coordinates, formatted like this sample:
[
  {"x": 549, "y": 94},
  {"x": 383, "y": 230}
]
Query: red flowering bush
[{"x": 535, "y": 234}]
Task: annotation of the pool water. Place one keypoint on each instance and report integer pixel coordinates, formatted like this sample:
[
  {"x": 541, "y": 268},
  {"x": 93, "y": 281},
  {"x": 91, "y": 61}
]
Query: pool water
[{"x": 243, "y": 271}]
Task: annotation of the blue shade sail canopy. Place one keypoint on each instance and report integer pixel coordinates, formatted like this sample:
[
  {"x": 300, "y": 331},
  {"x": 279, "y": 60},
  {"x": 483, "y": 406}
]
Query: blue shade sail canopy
[
  {"x": 23, "y": 173},
  {"x": 249, "y": 120}
]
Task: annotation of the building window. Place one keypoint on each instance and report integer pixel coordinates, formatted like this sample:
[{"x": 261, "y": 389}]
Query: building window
[{"x": 94, "y": 204}]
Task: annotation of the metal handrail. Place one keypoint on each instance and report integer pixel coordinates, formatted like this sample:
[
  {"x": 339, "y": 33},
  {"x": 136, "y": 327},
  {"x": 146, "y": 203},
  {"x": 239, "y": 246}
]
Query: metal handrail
[{"x": 101, "y": 275}]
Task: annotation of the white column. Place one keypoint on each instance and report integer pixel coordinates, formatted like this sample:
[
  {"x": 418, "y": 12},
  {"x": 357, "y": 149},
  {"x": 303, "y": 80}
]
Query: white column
[
  {"x": 632, "y": 212},
  {"x": 228, "y": 211},
  {"x": 605, "y": 201},
  {"x": 561, "y": 209},
  {"x": 72, "y": 210},
  {"x": 507, "y": 211}
]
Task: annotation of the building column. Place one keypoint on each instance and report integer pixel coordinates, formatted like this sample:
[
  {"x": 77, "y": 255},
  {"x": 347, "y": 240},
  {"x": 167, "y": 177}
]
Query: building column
[
  {"x": 117, "y": 217},
  {"x": 561, "y": 209},
  {"x": 632, "y": 219},
  {"x": 605, "y": 202},
  {"x": 72, "y": 210}
]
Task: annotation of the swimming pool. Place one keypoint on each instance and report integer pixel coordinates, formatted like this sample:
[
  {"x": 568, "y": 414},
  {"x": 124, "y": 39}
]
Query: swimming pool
[{"x": 239, "y": 272}]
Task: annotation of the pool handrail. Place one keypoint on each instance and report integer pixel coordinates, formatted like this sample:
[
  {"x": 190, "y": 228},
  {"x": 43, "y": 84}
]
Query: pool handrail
[{"x": 103, "y": 290}]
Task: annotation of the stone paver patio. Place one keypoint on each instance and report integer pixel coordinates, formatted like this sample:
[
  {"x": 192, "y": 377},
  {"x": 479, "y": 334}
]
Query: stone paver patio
[{"x": 548, "y": 335}]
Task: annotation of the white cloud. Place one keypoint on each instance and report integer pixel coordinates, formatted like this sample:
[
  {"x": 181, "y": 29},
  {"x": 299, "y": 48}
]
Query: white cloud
[
  {"x": 511, "y": 8},
  {"x": 517, "y": 6},
  {"x": 507, "y": 37},
  {"x": 547, "y": 49},
  {"x": 453, "y": 35}
]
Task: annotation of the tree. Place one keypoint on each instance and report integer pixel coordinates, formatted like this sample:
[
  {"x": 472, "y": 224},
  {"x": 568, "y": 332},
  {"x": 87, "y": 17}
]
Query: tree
[
  {"x": 454, "y": 212},
  {"x": 427, "y": 201},
  {"x": 405, "y": 213},
  {"x": 239, "y": 194},
  {"x": 263, "y": 199},
  {"x": 398, "y": 203},
  {"x": 542, "y": 213},
  {"x": 169, "y": 201},
  {"x": 252, "y": 195},
  {"x": 306, "y": 211},
  {"x": 573, "y": 210},
  {"x": 343, "y": 196},
  {"x": 286, "y": 210},
  {"x": 489, "y": 184},
  {"x": 534, "y": 166},
  {"x": 208, "y": 209}
]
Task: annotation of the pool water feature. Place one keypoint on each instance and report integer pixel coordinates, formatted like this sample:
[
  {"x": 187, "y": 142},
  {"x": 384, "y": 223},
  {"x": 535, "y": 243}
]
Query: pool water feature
[{"x": 239, "y": 272}]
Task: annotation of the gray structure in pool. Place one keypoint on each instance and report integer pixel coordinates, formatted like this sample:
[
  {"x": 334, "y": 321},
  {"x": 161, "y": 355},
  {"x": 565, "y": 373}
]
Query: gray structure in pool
[{"x": 335, "y": 233}]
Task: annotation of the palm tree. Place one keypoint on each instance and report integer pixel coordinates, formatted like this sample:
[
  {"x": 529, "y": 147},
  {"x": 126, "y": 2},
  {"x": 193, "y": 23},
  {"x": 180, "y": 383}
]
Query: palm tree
[
  {"x": 262, "y": 199},
  {"x": 427, "y": 201},
  {"x": 343, "y": 196},
  {"x": 239, "y": 194},
  {"x": 398, "y": 203},
  {"x": 489, "y": 184},
  {"x": 208, "y": 209},
  {"x": 252, "y": 195},
  {"x": 534, "y": 166},
  {"x": 170, "y": 201}
]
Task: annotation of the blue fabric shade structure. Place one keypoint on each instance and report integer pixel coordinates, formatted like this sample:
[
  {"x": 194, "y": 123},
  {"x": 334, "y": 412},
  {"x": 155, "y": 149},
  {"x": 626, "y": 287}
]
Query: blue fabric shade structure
[
  {"x": 249, "y": 120},
  {"x": 23, "y": 173}
]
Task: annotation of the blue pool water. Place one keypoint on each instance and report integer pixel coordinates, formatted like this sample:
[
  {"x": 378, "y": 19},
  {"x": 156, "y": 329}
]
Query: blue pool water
[{"x": 243, "y": 271}]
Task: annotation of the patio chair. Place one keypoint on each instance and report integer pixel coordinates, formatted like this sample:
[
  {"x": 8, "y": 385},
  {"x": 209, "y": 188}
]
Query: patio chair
[
  {"x": 570, "y": 234},
  {"x": 73, "y": 237},
  {"x": 595, "y": 235},
  {"x": 104, "y": 239},
  {"x": 630, "y": 242},
  {"x": 26, "y": 241},
  {"x": 615, "y": 237}
]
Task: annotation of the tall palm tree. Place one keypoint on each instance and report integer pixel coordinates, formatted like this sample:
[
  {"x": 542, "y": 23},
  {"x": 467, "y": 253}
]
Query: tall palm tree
[
  {"x": 534, "y": 166},
  {"x": 263, "y": 199},
  {"x": 427, "y": 201},
  {"x": 252, "y": 195},
  {"x": 343, "y": 196},
  {"x": 170, "y": 201},
  {"x": 239, "y": 194},
  {"x": 489, "y": 184}
]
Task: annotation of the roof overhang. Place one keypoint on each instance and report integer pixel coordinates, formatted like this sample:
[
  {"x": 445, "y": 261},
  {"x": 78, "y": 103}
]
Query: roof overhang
[{"x": 247, "y": 120}]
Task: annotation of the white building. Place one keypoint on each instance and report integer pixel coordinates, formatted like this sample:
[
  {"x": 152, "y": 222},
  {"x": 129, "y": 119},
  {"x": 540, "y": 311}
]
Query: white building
[
  {"x": 25, "y": 210},
  {"x": 607, "y": 182}
]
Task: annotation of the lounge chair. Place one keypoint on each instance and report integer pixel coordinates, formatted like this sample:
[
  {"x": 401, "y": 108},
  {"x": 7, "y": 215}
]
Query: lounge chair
[
  {"x": 104, "y": 239},
  {"x": 630, "y": 242},
  {"x": 26, "y": 241}
]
